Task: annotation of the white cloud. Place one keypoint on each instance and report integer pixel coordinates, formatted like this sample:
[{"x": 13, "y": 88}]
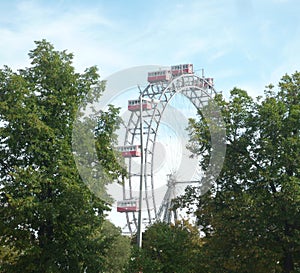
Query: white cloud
[
  {"x": 83, "y": 31},
  {"x": 221, "y": 35}
]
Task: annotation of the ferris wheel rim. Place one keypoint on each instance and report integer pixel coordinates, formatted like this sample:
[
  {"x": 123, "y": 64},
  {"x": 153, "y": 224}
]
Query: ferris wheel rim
[{"x": 162, "y": 97}]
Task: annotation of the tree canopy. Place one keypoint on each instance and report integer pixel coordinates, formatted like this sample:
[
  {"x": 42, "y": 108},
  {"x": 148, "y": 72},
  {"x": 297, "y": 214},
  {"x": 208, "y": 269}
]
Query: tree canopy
[
  {"x": 49, "y": 218},
  {"x": 250, "y": 217},
  {"x": 168, "y": 248}
]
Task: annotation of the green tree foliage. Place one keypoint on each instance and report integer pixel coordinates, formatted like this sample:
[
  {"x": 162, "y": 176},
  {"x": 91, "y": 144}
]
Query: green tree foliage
[
  {"x": 118, "y": 253},
  {"x": 168, "y": 248},
  {"x": 48, "y": 217},
  {"x": 250, "y": 216}
]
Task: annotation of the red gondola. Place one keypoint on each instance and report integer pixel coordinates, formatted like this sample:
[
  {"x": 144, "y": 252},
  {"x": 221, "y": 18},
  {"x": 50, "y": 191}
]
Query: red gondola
[
  {"x": 130, "y": 205},
  {"x": 209, "y": 82},
  {"x": 134, "y": 105},
  {"x": 182, "y": 69},
  {"x": 130, "y": 150},
  {"x": 159, "y": 76}
]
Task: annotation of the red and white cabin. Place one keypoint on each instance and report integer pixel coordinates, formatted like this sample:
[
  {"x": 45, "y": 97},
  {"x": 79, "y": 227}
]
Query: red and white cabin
[
  {"x": 209, "y": 82},
  {"x": 130, "y": 205},
  {"x": 182, "y": 69},
  {"x": 130, "y": 150},
  {"x": 134, "y": 105},
  {"x": 159, "y": 76}
]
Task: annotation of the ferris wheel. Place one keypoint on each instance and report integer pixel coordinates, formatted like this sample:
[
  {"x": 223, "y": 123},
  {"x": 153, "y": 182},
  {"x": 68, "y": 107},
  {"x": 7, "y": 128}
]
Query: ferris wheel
[{"x": 151, "y": 115}]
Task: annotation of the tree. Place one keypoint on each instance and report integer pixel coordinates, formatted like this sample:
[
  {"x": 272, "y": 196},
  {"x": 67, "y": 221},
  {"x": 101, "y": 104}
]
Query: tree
[
  {"x": 251, "y": 215},
  {"x": 48, "y": 216},
  {"x": 168, "y": 248},
  {"x": 119, "y": 250}
]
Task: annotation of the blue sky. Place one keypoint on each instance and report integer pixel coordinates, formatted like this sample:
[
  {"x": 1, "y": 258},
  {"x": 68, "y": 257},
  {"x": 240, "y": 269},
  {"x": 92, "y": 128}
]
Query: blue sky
[{"x": 241, "y": 43}]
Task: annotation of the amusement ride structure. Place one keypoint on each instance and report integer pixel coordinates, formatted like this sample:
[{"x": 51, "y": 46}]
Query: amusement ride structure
[{"x": 140, "y": 145}]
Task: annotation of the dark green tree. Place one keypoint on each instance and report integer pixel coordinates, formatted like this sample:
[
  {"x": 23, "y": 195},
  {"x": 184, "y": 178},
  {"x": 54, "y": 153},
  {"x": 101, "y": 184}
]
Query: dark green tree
[
  {"x": 168, "y": 249},
  {"x": 49, "y": 218},
  {"x": 251, "y": 214},
  {"x": 118, "y": 253}
]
